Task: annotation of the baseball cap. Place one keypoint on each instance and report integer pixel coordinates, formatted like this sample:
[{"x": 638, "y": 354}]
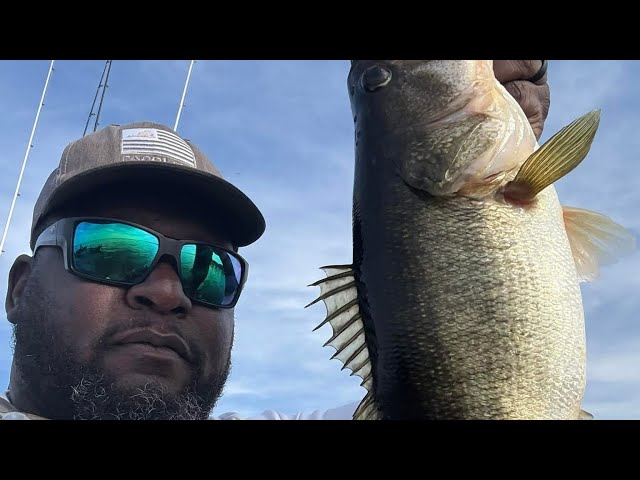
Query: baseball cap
[{"x": 147, "y": 151}]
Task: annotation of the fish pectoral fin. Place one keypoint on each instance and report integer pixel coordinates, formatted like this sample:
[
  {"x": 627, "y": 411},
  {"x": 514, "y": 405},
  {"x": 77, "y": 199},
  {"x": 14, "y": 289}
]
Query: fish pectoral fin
[
  {"x": 584, "y": 415},
  {"x": 555, "y": 159},
  {"x": 595, "y": 240},
  {"x": 340, "y": 296}
]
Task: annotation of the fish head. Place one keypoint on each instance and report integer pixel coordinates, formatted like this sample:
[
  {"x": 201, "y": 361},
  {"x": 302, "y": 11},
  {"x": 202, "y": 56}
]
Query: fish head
[{"x": 448, "y": 126}]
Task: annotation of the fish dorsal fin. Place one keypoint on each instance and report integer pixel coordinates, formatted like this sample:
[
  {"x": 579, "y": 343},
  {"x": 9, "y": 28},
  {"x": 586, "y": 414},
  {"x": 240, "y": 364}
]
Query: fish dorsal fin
[
  {"x": 340, "y": 296},
  {"x": 555, "y": 159},
  {"x": 595, "y": 240}
]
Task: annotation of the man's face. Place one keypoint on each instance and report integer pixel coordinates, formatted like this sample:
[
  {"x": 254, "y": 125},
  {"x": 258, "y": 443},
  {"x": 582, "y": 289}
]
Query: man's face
[{"x": 69, "y": 351}]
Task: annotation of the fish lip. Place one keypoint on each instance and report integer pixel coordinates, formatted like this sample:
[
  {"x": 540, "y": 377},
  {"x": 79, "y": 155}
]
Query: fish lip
[{"x": 157, "y": 339}]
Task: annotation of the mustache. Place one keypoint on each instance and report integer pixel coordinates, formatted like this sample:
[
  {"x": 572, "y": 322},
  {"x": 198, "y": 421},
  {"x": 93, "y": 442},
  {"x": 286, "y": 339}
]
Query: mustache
[{"x": 134, "y": 323}]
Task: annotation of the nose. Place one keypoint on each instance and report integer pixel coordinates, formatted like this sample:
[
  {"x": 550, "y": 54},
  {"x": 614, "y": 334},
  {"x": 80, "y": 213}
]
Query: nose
[{"x": 161, "y": 291}]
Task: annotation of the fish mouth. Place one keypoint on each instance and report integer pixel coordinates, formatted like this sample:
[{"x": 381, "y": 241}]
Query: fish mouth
[{"x": 156, "y": 339}]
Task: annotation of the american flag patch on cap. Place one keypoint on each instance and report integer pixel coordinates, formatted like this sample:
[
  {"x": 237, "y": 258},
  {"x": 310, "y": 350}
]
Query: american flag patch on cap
[{"x": 156, "y": 144}]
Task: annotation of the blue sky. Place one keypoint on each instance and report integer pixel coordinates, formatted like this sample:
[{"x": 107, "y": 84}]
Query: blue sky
[{"x": 282, "y": 132}]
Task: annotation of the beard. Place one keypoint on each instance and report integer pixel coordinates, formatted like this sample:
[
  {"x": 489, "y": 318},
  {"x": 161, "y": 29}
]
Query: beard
[
  {"x": 64, "y": 387},
  {"x": 94, "y": 398}
]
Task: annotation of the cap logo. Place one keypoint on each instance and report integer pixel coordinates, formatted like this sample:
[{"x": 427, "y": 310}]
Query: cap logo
[{"x": 151, "y": 144}]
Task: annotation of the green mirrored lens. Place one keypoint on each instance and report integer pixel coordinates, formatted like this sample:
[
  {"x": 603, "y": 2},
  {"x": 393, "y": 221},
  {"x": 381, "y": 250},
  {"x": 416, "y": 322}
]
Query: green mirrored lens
[
  {"x": 113, "y": 251},
  {"x": 209, "y": 274}
]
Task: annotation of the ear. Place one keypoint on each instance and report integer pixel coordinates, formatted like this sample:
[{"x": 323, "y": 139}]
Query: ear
[{"x": 18, "y": 275}]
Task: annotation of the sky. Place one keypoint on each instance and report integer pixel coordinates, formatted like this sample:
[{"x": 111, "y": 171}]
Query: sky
[{"x": 282, "y": 132}]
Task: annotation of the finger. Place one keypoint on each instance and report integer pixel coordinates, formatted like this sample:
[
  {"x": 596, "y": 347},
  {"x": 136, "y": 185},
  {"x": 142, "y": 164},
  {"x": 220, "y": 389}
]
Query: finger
[
  {"x": 534, "y": 100},
  {"x": 510, "y": 70}
]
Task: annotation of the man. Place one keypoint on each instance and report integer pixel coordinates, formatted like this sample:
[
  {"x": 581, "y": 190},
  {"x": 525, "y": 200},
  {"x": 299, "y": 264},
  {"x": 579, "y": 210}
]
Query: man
[{"x": 125, "y": 309}]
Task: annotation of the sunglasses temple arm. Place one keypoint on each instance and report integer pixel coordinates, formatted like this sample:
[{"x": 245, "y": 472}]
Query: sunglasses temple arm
[{"x": 47, "y": 239}]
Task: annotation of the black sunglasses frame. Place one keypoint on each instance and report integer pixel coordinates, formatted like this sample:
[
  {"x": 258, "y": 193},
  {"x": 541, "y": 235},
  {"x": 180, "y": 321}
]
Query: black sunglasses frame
[{"x": 60, "y": 234}]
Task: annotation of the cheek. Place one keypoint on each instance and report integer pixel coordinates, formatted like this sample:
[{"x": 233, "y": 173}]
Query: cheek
[
  {"x": 214, "y": 333},
  {"x": 84, "y": 310}
]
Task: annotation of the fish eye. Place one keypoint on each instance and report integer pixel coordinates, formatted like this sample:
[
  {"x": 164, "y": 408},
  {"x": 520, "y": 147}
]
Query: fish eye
[{"x": 375, "y": 77}]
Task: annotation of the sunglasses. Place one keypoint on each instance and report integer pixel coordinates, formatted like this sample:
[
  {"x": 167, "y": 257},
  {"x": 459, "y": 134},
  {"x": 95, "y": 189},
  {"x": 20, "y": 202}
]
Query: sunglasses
[{"x": 122, "y": 253}]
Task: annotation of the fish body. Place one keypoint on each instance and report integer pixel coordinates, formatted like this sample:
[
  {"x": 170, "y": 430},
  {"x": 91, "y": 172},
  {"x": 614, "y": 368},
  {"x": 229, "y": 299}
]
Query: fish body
[{"x": 463, "y": 299}]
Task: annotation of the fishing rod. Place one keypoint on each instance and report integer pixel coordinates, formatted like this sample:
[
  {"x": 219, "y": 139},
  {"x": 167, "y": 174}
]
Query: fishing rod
[
  {"x": 184, "y": 92},
  {"x": 104, "y": 90},
  {"x": 26, "y": 155},
  {"x": 91, "y": 114}
]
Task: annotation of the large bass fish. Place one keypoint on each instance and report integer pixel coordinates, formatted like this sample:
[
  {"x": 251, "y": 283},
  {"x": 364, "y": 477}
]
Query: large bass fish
[{"x": 463, "y": 300}]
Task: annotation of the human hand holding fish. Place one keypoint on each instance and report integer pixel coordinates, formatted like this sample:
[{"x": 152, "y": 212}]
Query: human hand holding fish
[
  {"x": 463, "y": 300},
  {"x": 526, "y": 81}
]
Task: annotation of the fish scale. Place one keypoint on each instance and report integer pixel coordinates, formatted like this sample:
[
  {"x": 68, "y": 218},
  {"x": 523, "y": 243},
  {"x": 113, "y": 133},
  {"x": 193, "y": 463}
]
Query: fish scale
[{"x": 464, "y": 304}]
